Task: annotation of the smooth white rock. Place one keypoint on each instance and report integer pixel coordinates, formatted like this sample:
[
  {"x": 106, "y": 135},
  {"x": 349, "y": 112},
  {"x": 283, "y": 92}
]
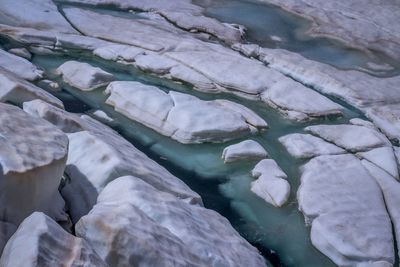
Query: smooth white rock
[
  {"x": 391, "y": 192},
  {"x": 38, "y": 14},
  {"x": 16, "y": 90},
  {"x": 206, "y": 234},
  {"x": 246, "y": 150},
  {"x": 183, "y": 13},
  {"x": 49, "y": 85},
  {"x": 21, "y": 52},
  {"x": 384, "y": 158},
  {"x": 123, "y": 235},
  {"x": 84, "y": 76},
  {"x": 377, "y": 97},
  {"x": 353, "y": 138},
  {"x": 32, "y": 160},
  {"x": 271, "y": 184},
  {"x": 289, "y": 96},
  {"x": 19, "y": 66},
  {"x": 345, "y": 206},
  {"x": 305, "y": 146},
  {"x": 183, "y": 117},
  {"x": 40, "y": 241}
]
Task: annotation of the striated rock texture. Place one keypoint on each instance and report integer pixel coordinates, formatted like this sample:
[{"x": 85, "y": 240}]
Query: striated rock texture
[
  {"x": 188, "y": 235},
  {"x": 183, "y": 117},
  {"x": 369, "y": 25},
  {"x": 40, "y": 241},
  {"x": 32, "y": 160}
]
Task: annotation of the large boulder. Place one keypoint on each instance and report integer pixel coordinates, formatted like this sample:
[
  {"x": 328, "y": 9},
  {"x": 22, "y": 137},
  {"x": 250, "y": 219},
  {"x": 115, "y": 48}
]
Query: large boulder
[
  {"x": 182, "y": 117},
  {"x": 345, "y": 207},
  {"x": 193, "y": 229},
  {"x": 32, "y": 160},
  {"x": 40, "y": 241}
]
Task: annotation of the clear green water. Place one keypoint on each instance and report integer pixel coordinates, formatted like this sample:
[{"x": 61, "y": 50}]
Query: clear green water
[
  {"x": 263, "y": 21},
  {"x": 279, "y": 233}
]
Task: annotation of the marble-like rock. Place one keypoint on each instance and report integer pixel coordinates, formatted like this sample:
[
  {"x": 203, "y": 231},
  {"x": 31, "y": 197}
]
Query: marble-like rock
[
  {"x": 21, "y": 52},
  {"x": 49, "y": 85},
  {"x": 19, "y": 66},
  {"x": 299, "y": 102},
  {"x": 271, "y": 184},
  {"x": 391, "y": 193},
  {"x": 203, "y": 233},
  {"x": 84, "y": 76},
  {"x": 123, "y": 235},
  {"x": 305, "y": 146},
  {"x": 32, "y": 160},
  {"x": 38, "y": 14},
  {"x": 345, "y": 207},
  {"x": 97, "y": 155},
  {"x": 384, "y": 158},
  {"x": 118, "y": 52},
  {"x": 377, "y": 97},
  {"x": 352, "y": 138},
  {"x": 183, "y": 117},
  {"x": 246, "y": 150},
  {"x": 16, "y": 90},
  {"x": 40, "y": 241}
]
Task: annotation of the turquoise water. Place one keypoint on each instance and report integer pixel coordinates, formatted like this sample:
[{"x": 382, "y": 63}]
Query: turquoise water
[
  {"x": 265, "y": 22},
  {"x": 280, "y": 233}
]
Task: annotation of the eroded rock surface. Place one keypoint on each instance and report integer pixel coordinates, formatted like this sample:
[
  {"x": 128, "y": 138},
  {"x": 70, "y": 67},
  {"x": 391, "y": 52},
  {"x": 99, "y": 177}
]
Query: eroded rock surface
[{"x": 32, "y": 160}]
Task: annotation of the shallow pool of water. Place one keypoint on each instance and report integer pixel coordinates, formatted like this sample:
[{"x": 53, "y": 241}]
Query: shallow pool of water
[
  {"x": 272, "y": 27},
  {"x": 279, "y": 233}
]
